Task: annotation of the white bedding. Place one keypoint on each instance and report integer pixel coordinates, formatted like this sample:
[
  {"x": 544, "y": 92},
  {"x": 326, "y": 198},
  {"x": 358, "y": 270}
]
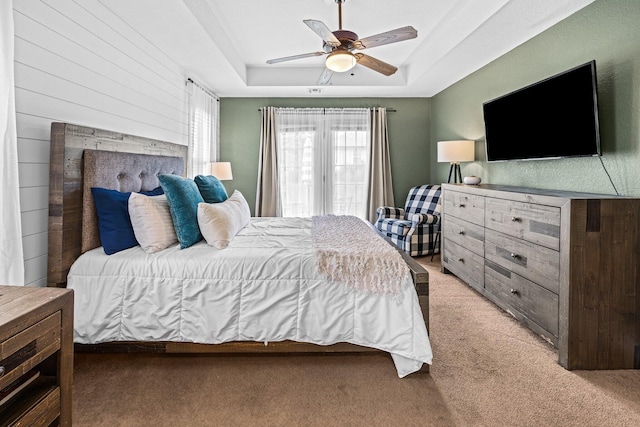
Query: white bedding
[{"x": 264, "y": 286}]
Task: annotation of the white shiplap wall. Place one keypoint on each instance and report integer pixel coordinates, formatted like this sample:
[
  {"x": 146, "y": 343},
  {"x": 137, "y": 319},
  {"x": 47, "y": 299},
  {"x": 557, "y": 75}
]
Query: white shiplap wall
[{"x": 77, "y": 62}]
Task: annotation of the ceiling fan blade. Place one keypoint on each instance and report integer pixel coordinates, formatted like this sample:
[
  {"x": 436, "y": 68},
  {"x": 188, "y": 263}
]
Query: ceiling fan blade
[
  {"x": 291, "y": 58},
  {"x": 393, "y": 36},
  {"x": 375, "y": 64},
  {"x": 325, "y": 77},
  {"x": 323, "y": 31}
]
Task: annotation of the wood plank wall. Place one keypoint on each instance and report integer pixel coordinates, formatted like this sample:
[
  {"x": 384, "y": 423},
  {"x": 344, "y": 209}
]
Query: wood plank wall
[{"x": 77, "y": 62}]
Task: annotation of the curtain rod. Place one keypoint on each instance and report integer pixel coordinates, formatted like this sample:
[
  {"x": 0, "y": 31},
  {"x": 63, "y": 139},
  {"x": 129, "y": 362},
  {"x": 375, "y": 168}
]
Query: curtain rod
[
  {"x": 190, "y": 80},
  {"x": 389, "y": 110}
]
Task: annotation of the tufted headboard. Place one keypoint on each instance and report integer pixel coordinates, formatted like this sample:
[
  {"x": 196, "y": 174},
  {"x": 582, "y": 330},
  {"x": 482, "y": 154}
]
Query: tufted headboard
[
  {"x": 66, "y": 183},
  {"x": 122, "y": 172}
]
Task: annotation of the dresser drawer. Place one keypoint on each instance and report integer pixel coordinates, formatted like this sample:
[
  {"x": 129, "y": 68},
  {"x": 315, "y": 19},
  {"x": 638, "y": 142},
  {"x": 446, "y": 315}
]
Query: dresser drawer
[
  {"x": 532, "y": 301},
  {"x": 529, "y": 221},
  {"x": 465, "y": 264},
  {"x": 462, "y": 205},
  {"x": 539, "y": 264},
  {"x": 24, "y": 350},
  {"x": 465, "y": 234}
]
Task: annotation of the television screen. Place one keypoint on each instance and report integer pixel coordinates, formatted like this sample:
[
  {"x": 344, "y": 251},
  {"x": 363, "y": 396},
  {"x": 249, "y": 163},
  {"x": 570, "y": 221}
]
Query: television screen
[{"x": 556, "y": 117}]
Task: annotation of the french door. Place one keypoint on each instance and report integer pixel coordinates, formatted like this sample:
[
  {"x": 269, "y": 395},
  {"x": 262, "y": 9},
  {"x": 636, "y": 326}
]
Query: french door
[{"x": 323, "y": 160}]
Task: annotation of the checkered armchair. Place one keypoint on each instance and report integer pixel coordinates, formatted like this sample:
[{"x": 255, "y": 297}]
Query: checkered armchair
[{"x": 414, "y": 228}]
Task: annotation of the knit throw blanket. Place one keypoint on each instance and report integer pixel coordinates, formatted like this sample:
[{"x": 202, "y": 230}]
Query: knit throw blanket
[{"x": 351, "y": 252}]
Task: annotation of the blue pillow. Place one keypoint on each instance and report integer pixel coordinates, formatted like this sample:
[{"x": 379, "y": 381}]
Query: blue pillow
[
  {"x": 211, "y": 189},
  {"x": 114, "y": 224},
  {"x": 183, "y": 197}
]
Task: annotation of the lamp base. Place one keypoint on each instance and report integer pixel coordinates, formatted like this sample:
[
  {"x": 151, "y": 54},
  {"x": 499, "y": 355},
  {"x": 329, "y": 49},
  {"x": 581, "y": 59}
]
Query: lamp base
[{"x": 457, "y": 175}]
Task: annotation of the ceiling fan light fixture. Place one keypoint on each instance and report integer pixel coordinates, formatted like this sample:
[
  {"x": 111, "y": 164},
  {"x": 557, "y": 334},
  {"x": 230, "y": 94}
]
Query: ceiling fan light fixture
[{"x": 341, "y": 61}]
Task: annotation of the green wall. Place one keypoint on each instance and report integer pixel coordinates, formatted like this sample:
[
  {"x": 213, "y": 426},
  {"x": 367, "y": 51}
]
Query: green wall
[
  {"x": 607, "y": 31},
  {"x": 408, "y": 138}
]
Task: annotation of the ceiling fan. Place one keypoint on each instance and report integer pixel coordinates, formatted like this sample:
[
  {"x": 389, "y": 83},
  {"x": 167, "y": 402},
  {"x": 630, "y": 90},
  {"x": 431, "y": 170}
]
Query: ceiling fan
[{"x": 340, "y": 44}]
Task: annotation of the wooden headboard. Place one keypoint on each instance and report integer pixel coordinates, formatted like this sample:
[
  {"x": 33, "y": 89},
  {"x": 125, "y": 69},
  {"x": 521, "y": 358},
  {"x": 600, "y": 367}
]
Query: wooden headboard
[{"x": 68, "y": 142}]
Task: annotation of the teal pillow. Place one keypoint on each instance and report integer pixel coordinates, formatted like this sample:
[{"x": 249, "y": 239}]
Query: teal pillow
[
  {"x": 183, "y": 197},
  {"x": 211, "y": 189}
]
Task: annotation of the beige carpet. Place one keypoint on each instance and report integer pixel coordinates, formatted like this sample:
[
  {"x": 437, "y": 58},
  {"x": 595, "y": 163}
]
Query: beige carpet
[{"x": 487, "y": 371}]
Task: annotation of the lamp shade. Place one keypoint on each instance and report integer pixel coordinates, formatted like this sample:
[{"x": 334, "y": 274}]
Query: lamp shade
[
  {"x": 341, "y": 61},
  {"x": 456, "y": 151},
  {"x": 221, "y": 170}
]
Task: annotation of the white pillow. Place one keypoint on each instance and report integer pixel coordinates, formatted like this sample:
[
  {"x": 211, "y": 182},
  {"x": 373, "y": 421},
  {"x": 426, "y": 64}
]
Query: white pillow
[
  {"x": 220, "y": 222},
  {"x": 151, "y": 221}
]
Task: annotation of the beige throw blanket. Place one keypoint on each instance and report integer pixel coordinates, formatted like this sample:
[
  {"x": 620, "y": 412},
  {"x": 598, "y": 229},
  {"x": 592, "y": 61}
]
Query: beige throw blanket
[{"x": 351, "y": 252}]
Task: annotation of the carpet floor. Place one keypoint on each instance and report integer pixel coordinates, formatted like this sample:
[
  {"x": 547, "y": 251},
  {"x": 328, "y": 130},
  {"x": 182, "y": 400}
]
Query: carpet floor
[{"x": 487, "y": 370}]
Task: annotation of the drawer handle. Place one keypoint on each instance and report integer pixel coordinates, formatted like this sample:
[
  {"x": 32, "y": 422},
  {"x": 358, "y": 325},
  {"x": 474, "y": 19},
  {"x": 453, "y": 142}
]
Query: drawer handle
[
  {"x": 2, "y": 371},
  {"x": 462, "y": 205},
  {"x": 513, "y": 291},
  {"x": 461, "y": 232},
  {"x": 515, "y": 219},
  {"x": 460, "y": 259},
  {"x": 514, "y": 256}
]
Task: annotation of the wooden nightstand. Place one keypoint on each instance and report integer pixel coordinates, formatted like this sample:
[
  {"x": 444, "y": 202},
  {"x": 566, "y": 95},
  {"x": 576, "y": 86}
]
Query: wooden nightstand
[{"x": 36, "y": 338}]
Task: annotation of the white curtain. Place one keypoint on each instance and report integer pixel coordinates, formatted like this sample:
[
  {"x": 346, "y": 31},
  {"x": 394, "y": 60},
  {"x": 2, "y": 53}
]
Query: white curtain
[
  {"x": 323, "y": 157},
  {"x": 380, "y": 183},
  {"x": 204, "y": 129},
  {"x": 11, "y": 255}
]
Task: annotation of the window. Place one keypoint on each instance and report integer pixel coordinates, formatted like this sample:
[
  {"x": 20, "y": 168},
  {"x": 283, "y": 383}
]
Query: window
[
  {"x": 204, "y": 129},
  {"x": 323, "y": 161}
]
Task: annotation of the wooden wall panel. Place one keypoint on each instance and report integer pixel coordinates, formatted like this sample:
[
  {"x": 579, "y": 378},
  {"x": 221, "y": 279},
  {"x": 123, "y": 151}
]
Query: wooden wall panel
[
  {"x": 35, "y": 245},
  {"x": 77, "y": 62},
  {"x": 35, "y": 221},
  {"x": 32, "y": 127},
  {"x": 32, "y": 199}
]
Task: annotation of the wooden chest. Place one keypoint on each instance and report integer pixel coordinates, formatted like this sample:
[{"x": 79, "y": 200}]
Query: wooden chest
[
  {"x": 36, "y": 356},
  {"x": 565, "y": 264}
]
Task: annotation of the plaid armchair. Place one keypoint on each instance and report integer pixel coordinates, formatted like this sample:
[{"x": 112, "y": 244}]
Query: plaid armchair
[{"x": 414, "y": 228}]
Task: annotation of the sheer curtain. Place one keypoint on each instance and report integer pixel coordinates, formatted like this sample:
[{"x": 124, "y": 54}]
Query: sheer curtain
[
  {"x": 11, "y": 256},
  {"x": 204, "y": 129},
  {"x": 347, "y": 174},
  {"x": 323, "y": 157}
]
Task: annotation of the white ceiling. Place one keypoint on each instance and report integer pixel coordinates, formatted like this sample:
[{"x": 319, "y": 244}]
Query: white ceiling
[{"x": 224, "y": 44}]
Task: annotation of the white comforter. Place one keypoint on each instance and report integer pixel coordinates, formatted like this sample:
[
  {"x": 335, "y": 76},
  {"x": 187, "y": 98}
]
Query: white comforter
[{"x": 264, "y": 287}]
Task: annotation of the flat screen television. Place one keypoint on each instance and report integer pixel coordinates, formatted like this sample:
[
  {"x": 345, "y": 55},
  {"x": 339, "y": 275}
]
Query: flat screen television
[{"x": 554, "y": 118}]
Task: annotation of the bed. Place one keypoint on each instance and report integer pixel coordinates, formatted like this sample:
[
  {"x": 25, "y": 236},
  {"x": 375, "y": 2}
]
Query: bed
[{"x": 263, "y": 293}]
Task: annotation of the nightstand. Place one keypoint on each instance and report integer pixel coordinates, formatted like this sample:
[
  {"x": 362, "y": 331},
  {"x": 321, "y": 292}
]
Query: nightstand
[{"x": 36, "y": 349}]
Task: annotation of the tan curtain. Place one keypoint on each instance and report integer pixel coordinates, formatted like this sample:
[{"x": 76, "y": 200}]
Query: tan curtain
[
  {"x": 268, "y": 193},
  {"x": 380, "y": 185}
]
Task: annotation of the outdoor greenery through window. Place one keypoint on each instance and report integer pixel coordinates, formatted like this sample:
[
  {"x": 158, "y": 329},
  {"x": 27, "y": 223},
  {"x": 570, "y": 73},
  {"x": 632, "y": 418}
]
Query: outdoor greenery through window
[{"x": 323, "y": 159}]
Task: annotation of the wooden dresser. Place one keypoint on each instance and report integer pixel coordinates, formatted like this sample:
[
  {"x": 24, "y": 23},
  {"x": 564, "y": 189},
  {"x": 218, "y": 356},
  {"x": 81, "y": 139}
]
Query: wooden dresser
[
  {"x": 36, "y": 341},
  {"x": 565, "y": 264}
]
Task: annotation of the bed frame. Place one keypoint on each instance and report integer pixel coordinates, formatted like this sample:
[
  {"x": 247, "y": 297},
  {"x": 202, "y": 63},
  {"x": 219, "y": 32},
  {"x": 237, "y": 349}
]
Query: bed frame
[{"x": 66, "y": 242}]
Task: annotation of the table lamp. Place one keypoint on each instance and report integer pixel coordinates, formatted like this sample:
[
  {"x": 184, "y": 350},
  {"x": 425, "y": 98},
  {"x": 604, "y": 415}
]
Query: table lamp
[
  {"x": 222, "y": 170},
  {"x": 456, "y": 152}
]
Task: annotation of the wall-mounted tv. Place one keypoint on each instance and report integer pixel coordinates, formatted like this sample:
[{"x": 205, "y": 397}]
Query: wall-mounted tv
[{"x": 554, "y": 118}]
